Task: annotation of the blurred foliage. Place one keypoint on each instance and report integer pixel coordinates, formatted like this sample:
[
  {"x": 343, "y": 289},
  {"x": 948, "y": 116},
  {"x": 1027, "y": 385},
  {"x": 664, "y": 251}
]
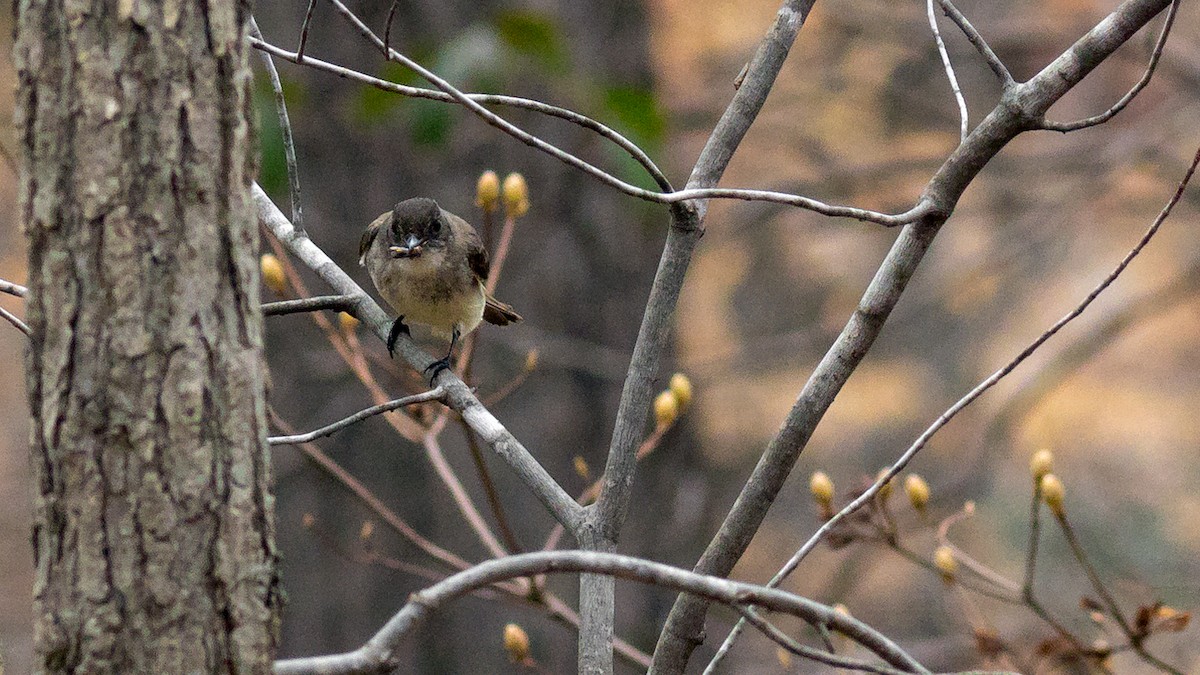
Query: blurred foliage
[
  {"x": 535, "y": 35},
  {"x": 272, "y": 172}
]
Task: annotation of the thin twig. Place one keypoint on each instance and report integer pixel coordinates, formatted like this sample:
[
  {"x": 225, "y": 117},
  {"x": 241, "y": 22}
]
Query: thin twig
[
  {"x": 379, "y": 653},
  {"x": 663, "y": 198},
  {"x": 387, "y": 515},
  {"x": 312, "y": 4},
  {"x": 12, "y": 318},
  {"x": 1031, "y": 549},
  {"x": 435, "y": 394},
  {"x": 1136, "y": 639},
  {"x": 783, "y": 640},
  {"x": 285, "y": 124},
  {"x": 337, "y": 303},
  {"x": 489, "y": 490},
  {"x": 978, "y": 391},
  {"x": 1132, "y": 93},
  {"x": 941, "y": 47},
  {"x": 966, "y": 560},
  {"x": 995, "y": 377},
  {"x": 433, "y": 448},
  {"x": 13, "y": 289},
  {"x": 387, "y": 28},
  {"x": 980, "y": 44}
]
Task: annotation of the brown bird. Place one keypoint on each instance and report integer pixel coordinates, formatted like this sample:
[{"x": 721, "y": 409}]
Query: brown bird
[{"x": 430, "y": 266}]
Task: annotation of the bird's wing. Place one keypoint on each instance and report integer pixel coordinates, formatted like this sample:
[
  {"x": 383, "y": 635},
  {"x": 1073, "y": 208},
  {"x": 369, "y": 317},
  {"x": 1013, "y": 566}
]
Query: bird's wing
[
  {"x": 477, "y": 255},
  {"x": 368, "y": 237}
]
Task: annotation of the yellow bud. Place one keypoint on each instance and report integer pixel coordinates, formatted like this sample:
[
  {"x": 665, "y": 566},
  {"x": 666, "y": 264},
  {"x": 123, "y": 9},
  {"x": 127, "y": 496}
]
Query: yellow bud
[
  {"x": 1052, "y": 493},
  {"x": 367, "y": 529},
  {"x": 581, "y": 467},
  {"x": 347, "y": 321},
  {"x": 487, "y": 191},
  {"x": 1041, "y": 463},
  {"x": 969, "y": 507},
  {"x": 531, "y": 359},
  {"x": 681, "y": 386},
  {"x": 308, "y": 520},
  {"x": 842, "y": 609},
  {"x": 784, "y": 657},
  {"x": 917, "y": 490},
  {"x": 666, "y": 408},
  {"x": 885, "y": 490},
  {"x": 516, "y": 195},
  {"x": 516, "y": 643},
  {"x": 943, "y": 559},
  {"x": 821, "y": 487},
  {"x": 272, "y": 273}
]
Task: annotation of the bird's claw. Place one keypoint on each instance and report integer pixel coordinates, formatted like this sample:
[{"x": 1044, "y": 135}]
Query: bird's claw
[
  {"x": 398, "y": 327},
  {"x": 437, "y": 367}
]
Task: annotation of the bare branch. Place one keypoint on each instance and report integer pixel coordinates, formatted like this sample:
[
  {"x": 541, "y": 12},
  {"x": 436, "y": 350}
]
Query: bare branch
[
  {"x": 1128, "y": 97},
  {"x": 458, "y": 395},
  {"x": 780, "y": 638},
  {"x": 941, "y": 47},
  {"x": 1018, "y": 111},
  {"x": 995, "y": 377},
  {"x": 487, "y": 99},
  {"x": 435, "y": 394},
  {"x": 312, "y": 4},
  {"x": 473, "y": 102},
  {"x": 13, "y": 289},
  {"x": 285, "y": 124},
  {"x": 387, "y": 29},
  {"x": 981, "y": 45},
  {"x": 380, "y": 653},
  {"x": 12, "y": 318},
  {"x": 337, "y": 303}
]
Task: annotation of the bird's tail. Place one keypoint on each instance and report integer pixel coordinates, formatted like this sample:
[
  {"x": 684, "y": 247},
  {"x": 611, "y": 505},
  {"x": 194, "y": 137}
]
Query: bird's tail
[{"x": 499, "y": 313}]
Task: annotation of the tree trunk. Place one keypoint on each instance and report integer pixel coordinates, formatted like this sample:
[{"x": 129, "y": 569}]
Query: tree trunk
[{"x": 153, "y": 533}]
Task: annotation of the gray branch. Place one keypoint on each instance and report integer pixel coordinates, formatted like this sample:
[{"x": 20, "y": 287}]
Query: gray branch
[
  {"x": 1021, "y": 108},
  {"x": 379, "y": 654},
  {"x": 458, "y": 396},
  {"x": 435, "y": 394},
  {"x": 340, "y": 303},
  {"x": 13, "y": 289}
]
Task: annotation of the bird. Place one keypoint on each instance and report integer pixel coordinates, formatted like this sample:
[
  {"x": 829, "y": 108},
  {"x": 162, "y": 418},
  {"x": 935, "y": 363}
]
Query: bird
[{"x": 431, "y": 266}]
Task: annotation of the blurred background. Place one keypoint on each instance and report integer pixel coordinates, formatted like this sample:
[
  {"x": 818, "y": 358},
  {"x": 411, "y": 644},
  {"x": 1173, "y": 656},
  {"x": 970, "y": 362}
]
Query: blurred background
[{"x": 861, "y": 114}]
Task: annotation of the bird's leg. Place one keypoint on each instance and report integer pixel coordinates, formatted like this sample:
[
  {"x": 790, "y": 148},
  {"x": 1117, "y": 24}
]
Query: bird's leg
[
  {"x": 442, "y": 363},
  {"x": 398, "y": 327}
]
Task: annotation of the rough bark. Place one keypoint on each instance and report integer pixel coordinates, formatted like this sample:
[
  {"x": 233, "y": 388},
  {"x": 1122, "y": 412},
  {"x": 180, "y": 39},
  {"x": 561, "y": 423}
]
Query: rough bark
[{"x": 153, "y": 534}]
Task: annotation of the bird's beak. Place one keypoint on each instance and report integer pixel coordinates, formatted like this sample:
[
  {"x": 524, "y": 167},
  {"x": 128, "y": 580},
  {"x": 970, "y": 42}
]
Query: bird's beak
[{"x": 410, "y": 249}]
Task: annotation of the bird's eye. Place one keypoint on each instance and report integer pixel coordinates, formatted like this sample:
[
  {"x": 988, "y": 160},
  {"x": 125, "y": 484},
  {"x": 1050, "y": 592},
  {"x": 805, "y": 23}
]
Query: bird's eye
[{"x": 435, "y": 227}]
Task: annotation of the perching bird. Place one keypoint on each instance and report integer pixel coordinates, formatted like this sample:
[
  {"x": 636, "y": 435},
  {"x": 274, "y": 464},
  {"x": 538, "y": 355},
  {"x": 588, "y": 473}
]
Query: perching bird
[{"x": 430, "y": 266}]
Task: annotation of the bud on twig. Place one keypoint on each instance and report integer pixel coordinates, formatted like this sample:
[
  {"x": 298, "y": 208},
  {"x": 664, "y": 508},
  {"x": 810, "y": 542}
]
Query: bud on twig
[
  {"x": 681, "y": 387},
  {"x": 1052, "y": 493},
  {"x": 666, "y": 408},
  {"x": 581, "y": 467},
  {"x": 1041, "y": 463},
  {"x": 516, "y": 195},
  {"x": 918, "y": 491},
  {"x": 487, "y": 191},
  {"x": 272, "y": 273},
  {"x": 516, "y": 643},
  {"x": 821, "y": 487},
  {"x": 943, "y": 559},
  {"x": 347, "y": 321}
]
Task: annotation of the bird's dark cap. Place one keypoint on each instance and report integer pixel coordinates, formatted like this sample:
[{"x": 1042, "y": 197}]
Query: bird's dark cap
[{"x": 417, "y": 209}]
